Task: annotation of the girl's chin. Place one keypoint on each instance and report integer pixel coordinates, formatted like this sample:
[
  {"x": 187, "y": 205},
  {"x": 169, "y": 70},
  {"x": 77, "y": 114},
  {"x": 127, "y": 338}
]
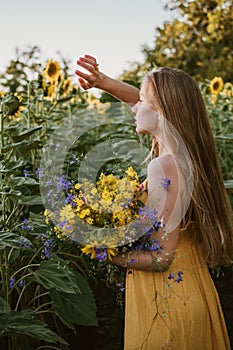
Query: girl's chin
[{"x": 141, "y": 131}]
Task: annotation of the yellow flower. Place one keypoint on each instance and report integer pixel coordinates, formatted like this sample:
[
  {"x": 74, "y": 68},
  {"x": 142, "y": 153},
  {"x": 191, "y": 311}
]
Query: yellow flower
[
  {"x": 77, "y": 186},
  {"x": 67, "y": 212},
  {"x": 52, "y": 70},
  {"x": 131, "y": 173},
  {"x": 228, "y": 90},
  {"x": 66, "y": 86},
  {"x": 2, "y": 94},
  {"x": 84, "y": 213},
  {"x": 91, "y": 250},
  {"x": 89, "y": 221},
  {"x": 216, "y": 85}
]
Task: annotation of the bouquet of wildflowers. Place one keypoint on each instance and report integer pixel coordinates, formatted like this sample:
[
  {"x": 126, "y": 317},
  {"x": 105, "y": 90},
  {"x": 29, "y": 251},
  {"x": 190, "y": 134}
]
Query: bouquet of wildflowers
[{"x": 108, "y": 217}]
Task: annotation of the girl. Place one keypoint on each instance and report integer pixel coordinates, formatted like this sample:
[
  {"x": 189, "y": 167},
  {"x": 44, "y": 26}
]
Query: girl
[{"x": 171, "y": 301}]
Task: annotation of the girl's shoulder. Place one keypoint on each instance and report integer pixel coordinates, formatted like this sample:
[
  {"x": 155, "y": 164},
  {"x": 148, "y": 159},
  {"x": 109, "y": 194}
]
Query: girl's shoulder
[{"x": 165, "y": 163}]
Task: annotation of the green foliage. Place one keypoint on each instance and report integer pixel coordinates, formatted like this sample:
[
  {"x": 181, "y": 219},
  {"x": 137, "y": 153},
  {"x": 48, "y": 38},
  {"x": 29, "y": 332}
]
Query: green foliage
[
  {"x": 42, "y": 278},
  {"x": 198, "y": 40}
]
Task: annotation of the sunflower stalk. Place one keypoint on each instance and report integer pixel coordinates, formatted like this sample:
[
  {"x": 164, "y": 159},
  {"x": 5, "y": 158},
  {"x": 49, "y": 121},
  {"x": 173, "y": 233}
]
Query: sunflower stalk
[
  {"x": 2, "y": 125},
  {"x": 29, "y": 118}
]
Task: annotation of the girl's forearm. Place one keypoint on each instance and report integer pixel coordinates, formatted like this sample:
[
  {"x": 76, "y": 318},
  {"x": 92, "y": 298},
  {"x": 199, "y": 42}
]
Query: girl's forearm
[
  {"x": 120, "y": 90},
  {"x": 145, "y": 261}
]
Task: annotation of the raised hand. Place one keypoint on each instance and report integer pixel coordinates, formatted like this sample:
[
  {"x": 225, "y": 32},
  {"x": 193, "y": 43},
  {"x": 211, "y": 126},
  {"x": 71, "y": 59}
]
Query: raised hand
[{"x": 91, "y": 79}]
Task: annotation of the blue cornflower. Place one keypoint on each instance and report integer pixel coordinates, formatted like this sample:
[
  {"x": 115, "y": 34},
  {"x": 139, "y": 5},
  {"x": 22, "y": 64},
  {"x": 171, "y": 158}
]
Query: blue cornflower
[
  {"x": 156, "y": 247},
  {"x": 165, "y": 183},
  {"x": 143, "y": 141},
  {"x": 26, "y": 225},
  {"x": 63, "y": 183},
  {"x": 11, "y": 282},
  {"x": 21, "y": 283},
  {"x": 74, "y": 159},
  {"x": 126, "y": 205},
  {"x": 25, "y": 243},
  {"x": 26, "y": 173},
  {"x": 101, "y": 254},
  {"x": 48, "y": 245},
  {"x": 178, "y": 277},
  {"x": 38, "y": 172},
  {"x": 69, "y": 199},
  {"x": 49, "y": 183},
  {"x": 62, "y": 223}
]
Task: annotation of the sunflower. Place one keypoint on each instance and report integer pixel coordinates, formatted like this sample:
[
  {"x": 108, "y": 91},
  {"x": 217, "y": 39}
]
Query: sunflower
[
  {"x": 52, "y": 70},
  {"x": 228, "y": 90},
  {"x": 2, "y": 94},
  {"x": 216, "y": 85},
  {"x": 66, "y": 86},
  {"x": 15, "y": 113}
]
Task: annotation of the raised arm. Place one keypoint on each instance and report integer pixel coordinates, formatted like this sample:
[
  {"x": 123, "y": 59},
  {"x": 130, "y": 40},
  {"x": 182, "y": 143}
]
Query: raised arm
[{"x": 94, "y": 78}]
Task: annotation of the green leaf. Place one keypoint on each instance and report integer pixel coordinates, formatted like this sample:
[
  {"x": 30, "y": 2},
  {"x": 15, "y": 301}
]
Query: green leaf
[
  {"x": 228, "y": 184},
  {"x": 25, "y": 134},
  {"x": 75, "y": 308},
  {"x": 30, "y": 200},
  {"x": 54, "y": 274},
  {"x": 225, "y": 137},
  {"x": 24, "y": 322},
  {"x": 9, "y": 239},
  {"x": 23, "y": 145},
  {"x": 4, "y": 307},
  {"x": 19, "y": 181},
  {"x": 12, "y": 166}
]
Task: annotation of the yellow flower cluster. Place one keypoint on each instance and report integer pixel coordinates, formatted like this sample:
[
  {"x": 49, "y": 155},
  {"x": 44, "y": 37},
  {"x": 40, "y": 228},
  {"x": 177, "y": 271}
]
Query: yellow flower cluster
[
  {"x": 219, "y": 88},
  {"x": 113, "y": 203}
]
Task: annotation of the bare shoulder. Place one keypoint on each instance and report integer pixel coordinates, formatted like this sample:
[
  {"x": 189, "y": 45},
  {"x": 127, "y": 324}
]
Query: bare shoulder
[{"x": 165, "y": 164}]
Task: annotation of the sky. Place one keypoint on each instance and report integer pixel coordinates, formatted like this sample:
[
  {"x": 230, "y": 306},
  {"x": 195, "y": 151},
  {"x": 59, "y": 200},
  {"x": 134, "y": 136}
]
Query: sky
[{"x": 113, "y": 31}]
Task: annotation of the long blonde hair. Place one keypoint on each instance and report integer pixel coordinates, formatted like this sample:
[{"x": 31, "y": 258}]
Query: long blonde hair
[{"x": 182, "y": 105}]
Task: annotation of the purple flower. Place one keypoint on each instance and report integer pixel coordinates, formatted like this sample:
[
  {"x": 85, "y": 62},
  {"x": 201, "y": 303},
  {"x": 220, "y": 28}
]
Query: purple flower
[
  {"x": 74, "y": 159},
  {"x": 21, "y": 283},
  {"x": 69, "y": 199},
  {"x": 11, "y": 282},
  {"x": 143, "y": 141},
  {"x": 38, "y": 172},
  {"x": 101, "y": 254},
  {"x": 48, "y": 245},
  {"x": 165, "y": 183},
  {"x": 178, "y": 277},
  {"x": 25, "y": 243},
  {"x": 63, "y": 183},
  {"x": 26, "y": 225},
  {"x": 26, "y": 173}
]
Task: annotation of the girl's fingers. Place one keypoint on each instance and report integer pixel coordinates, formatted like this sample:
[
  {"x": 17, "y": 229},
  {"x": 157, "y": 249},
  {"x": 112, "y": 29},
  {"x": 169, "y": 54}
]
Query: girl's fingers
[
  {"x": 88, "y": 60},
  {"x": 82, "y": 75},
  {"x": 87, "y": 66},
  {"x": 84, "y": 84}
]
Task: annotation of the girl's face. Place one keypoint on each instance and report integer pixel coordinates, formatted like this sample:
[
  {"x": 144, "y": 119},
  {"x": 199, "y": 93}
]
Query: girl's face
[{"x": 146, "y": 111}]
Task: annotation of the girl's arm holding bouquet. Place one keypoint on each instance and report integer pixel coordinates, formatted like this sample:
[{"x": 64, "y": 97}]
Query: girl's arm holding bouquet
[{"x": 165, "y": 199}]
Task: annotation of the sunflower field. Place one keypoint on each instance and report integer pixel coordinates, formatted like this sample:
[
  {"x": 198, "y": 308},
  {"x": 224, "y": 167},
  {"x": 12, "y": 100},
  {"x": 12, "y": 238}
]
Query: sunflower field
[{"x": 52, "y": 296}]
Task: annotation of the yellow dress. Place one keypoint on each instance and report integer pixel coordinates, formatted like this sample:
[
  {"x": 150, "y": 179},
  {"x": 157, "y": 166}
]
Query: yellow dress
[{"x": 163, "y": 314}]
